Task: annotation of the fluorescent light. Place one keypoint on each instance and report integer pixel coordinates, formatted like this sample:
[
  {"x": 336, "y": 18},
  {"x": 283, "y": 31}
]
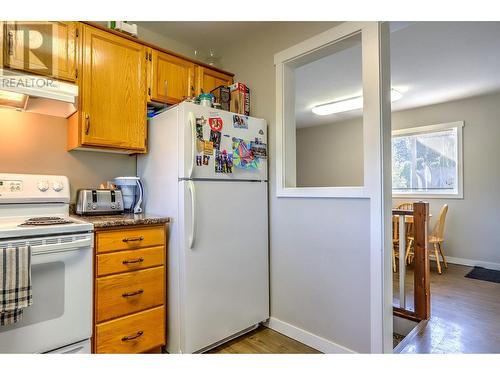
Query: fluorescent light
[
  {"x": 13, "y": 96},
  {"x": 348, "y": 104},
  {"x": 13, "y": 100}
]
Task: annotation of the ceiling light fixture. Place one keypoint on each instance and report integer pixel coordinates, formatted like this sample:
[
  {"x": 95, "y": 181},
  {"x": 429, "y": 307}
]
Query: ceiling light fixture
[{"x": 348, "y": 104}]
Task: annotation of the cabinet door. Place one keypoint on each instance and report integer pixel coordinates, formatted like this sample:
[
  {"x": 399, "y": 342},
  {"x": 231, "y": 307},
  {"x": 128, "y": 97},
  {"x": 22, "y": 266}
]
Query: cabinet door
[
  {"x": 172, "y": 78},
  {"x": 208, "y": 79},
  {"x": 43, "y": 48},
  {"x": 113, "y": 91}
]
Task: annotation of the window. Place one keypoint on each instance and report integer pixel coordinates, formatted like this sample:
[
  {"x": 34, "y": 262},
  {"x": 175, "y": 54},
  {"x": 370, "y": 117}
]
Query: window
[{"x": 427, "y": 161}]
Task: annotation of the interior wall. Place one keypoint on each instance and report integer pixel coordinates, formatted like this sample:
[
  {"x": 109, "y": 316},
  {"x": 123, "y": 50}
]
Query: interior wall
[
  {"x": 471, "y": 225},
  {"x": 34, "y": 143},
  {"x": 319, "y": 248},
  {"x": 160, "y": 40},
  {"x": 330, "y": 155}
]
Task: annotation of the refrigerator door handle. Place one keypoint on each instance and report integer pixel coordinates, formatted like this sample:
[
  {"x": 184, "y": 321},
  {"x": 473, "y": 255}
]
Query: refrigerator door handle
[
  {"x": 192, "y": 121},
  {"x": 193, "y": 214}
]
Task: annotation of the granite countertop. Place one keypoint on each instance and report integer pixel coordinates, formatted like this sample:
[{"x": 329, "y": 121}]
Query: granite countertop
[{"x": 109, "y": 221}]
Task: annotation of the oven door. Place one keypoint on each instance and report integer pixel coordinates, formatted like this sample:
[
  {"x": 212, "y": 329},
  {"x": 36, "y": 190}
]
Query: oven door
[{"x": 61, "y": 313}]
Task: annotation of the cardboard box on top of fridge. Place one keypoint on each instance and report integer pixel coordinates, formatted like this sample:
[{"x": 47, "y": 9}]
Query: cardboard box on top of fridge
[{"x": 240, "y": 98}]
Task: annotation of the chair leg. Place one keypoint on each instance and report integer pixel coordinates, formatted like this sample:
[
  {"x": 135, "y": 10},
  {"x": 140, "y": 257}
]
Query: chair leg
[
  {"x": 436, "y": 253},
  {"x": 442, "y": 255},
  {"x": 408, "y": 252}
]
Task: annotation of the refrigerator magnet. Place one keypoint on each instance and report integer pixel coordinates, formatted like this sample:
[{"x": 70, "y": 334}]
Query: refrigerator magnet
[
  {"x": 215, "y": 137},
  {"x": 206, "y": 159},
  {"x": 259, "y": 149},
  {"x": 198, "y": 160},
  {"x": 208, "y": 148},
  {"x": 200, "y": 145},
  {"x": 215, "y": 123},
  {"x": 240, "y": 121}
]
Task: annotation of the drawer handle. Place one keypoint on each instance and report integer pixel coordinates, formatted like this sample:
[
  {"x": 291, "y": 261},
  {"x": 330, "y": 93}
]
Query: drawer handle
[
  {"x": 133, "y": 239},
  {"x": 133, "y": 337},
  {"x": 130, "y": 294},
  {"x": 138, "y": 260}
]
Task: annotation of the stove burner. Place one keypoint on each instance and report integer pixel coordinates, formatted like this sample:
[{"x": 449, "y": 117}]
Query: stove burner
[{"x": 48, "y": 220}]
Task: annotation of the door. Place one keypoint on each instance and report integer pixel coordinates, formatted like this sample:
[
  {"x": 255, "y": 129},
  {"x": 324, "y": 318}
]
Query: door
[
  {"x": 42, "y": 48},
  {"x": 214, "y": 138},
  {"x": 172, "y": 78},
  {"x": 113, "y": 91},
  {"x": 61, "y": 313},
  {"x": 224, "y": 260},
  {"x": 208, "y": 79}
]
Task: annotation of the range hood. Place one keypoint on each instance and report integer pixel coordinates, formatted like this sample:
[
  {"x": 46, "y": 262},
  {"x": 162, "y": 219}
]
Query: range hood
[{"x": 38, "y": 94}]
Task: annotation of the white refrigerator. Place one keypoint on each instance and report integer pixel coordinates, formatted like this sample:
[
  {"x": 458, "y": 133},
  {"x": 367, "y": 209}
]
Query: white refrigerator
[{"x": 207, "y": 170}]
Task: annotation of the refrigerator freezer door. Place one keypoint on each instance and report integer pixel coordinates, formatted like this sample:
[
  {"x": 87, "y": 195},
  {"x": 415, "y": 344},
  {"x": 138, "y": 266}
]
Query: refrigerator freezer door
[
  {"x": 224, "y": 260},
  {"x": 211, "y": 139}
]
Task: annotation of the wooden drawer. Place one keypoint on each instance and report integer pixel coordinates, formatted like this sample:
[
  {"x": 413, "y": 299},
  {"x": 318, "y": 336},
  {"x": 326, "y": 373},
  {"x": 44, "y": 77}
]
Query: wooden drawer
[
  {"x": 130, "y": 260},
  {"x": 127, "y": 239},
  {"x": 135, "y": 333},
  {"x": 129, "y": 292}
]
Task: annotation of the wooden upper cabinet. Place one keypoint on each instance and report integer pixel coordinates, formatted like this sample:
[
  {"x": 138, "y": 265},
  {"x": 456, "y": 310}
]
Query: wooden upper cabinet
[
  {"x": 113, "y": 91},
  {"x": 208, "y": 79},
  {"x": 171, "y": 79},
  {"x": 41, "y": 47}
]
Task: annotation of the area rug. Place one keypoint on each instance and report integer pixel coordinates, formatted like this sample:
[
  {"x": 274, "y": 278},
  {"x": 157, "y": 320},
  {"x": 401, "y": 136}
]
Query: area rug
[{"x": 480, "y": 273}]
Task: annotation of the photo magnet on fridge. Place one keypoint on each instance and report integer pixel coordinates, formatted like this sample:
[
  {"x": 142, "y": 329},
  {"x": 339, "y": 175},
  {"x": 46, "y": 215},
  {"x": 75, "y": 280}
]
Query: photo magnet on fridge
[
  {"x": 208, "y": 148},
  {"x": 215, "y": 137},
  {"x": 200, "y": 145},
  {"x": 199, "y": 127},
  {"x": 258, "y": 148},
  {"x": 240, "y": 121},
  {"x": 198, "y": 160},
  {"x": 206, "y": 159}
]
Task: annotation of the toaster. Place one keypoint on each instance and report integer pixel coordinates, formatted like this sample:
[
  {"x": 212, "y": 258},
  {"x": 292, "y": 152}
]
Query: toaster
[{"x": 99, "y": 202}]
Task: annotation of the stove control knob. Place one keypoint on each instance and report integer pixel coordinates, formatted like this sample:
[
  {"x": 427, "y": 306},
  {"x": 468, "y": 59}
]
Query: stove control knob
[
  {"x": 43, "y": 185},
  {"x": 57, "y": 186}
]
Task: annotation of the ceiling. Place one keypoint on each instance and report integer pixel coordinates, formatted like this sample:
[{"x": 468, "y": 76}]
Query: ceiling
[
  {"x": 206, "y": 35},
  {"x": 431, "y": 62}
]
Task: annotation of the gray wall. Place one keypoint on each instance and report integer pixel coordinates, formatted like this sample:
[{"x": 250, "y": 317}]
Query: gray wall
[
  {"x": 330, "y": 155},
  {"x": 472, "y": 223},
  {"x": 319, "y": 248}
]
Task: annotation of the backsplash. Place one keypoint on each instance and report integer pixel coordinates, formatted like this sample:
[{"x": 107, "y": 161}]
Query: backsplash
[{"x": 33, "y": 143}]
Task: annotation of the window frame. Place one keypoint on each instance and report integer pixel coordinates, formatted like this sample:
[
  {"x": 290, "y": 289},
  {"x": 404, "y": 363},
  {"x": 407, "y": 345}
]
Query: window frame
[{"x": 459, "y": 125}]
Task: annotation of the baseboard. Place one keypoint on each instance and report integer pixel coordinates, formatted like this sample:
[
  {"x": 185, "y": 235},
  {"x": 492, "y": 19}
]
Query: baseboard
[
  {"x": 470, "y": 262},
  {"x": 307, "y": 338}
]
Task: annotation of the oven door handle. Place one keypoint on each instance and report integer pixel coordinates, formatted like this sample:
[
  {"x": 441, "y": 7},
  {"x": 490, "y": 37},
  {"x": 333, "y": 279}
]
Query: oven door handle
[{"x": 61, "y": 247}]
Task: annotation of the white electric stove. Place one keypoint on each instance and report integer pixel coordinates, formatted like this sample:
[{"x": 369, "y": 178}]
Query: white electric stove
[{"x": 34, "y": 211}]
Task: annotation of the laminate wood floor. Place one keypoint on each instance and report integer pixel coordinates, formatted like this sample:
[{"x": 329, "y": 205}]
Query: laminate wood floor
[
  {"x": 263, "y": 340},
  {"x": 465, "y": 313}
]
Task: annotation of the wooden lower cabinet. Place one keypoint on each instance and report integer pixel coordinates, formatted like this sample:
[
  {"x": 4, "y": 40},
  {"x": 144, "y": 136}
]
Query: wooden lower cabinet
[
  {"x": 129, "y": 290},
  {"x": 136, "y": 333}
]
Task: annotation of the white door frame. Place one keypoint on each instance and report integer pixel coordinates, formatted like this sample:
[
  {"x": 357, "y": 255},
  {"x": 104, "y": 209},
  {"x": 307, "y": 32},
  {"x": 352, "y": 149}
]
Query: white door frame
[{"x": 376, "y": 152}]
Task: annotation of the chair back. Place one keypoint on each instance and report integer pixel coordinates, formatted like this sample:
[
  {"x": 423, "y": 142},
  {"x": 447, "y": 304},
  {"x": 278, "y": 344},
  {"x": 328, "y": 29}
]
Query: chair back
[
  {"x": 406, "y": 206},
  {"x": 438, "y": 230},
  {"x": 409, "y": 226}
]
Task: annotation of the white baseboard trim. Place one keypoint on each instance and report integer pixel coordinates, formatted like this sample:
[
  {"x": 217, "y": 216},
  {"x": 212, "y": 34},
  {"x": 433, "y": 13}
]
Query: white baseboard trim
[
  {"x": 307, "y": 338},
  {"x": 469, "y": 262}
]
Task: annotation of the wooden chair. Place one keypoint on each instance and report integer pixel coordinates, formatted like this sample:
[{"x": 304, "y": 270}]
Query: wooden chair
[
  {"x": 395, "y": 241},
  {"x": 436, "y": 238},
  {"x": 409, "y": 230},
  {"x": 395, "y": 234}
]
